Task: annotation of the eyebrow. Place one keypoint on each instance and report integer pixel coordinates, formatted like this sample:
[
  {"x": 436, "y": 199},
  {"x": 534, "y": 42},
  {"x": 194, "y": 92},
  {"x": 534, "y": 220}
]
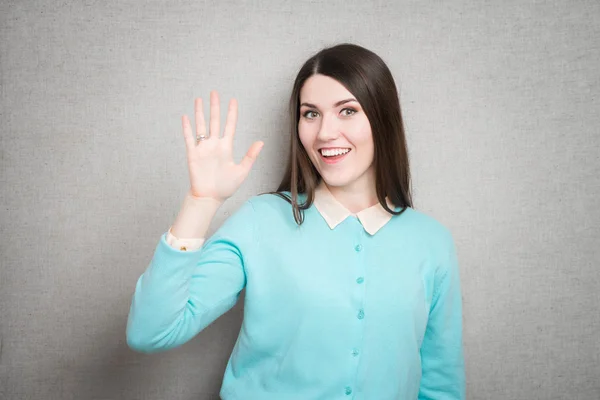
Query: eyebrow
[{"x": 339, "y": 103}]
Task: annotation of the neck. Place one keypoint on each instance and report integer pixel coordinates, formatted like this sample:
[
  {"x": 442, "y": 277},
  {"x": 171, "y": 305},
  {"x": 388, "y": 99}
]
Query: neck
[{"x": 356, "y": 196}]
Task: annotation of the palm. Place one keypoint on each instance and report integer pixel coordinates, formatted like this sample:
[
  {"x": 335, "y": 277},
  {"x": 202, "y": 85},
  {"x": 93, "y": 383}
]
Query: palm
[{"x": 213, "y": 172}]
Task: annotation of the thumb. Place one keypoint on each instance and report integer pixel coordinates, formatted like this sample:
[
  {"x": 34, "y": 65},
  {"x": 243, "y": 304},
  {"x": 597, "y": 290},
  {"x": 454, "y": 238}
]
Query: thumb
[{"x": 251, "y": 155}]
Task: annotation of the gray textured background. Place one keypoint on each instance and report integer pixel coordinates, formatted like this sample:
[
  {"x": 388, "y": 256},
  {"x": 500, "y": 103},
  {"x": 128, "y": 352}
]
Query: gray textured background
[{"x": 501, "y": 102}]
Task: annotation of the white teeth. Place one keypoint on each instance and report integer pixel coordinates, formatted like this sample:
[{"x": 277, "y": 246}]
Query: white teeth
[{"x": 334, "y": 152}]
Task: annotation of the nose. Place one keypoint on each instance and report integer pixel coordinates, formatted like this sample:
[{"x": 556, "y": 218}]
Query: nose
[{"x": 329, "y": 129}]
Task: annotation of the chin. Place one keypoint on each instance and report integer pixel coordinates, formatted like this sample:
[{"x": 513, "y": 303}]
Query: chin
[{"x": 337, "y": 181}]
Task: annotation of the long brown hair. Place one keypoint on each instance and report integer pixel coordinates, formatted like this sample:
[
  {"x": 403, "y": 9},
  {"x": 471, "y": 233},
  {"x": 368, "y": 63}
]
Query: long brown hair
[{"x": 365, "y": 75}]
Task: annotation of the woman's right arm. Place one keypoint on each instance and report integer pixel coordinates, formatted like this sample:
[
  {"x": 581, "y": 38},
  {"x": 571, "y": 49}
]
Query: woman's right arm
[{"x": 181, "y": 292}]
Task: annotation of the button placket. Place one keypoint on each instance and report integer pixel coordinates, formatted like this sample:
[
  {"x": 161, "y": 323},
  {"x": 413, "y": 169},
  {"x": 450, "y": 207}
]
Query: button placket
[
  {"x": 358, "y": 247},
  {"x": 359, "y": 290}
]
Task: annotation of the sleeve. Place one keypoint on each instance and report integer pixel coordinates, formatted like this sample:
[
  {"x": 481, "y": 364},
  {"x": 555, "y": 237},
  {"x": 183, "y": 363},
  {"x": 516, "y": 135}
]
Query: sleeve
[
  {"x": 182, "y": 292},
  {"x": 442, "y": 360},
  {"x": 183, "y": 244}
]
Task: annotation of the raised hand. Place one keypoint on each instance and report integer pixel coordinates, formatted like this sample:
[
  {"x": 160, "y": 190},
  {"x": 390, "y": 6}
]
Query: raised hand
[{"x": 213, "y": 172}]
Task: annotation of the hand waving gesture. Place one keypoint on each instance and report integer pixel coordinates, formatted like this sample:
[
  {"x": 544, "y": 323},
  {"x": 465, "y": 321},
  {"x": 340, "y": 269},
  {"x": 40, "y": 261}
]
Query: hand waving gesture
[{"x": 213, "y": 172}]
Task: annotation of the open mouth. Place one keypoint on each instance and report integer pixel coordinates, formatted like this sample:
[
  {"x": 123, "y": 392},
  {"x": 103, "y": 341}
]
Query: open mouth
[{"x": 332, "y": 156}]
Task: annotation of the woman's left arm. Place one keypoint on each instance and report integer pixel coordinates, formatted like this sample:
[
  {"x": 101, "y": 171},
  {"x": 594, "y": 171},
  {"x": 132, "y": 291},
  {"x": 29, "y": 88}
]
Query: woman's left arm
[{"x": 442, "y": 360}]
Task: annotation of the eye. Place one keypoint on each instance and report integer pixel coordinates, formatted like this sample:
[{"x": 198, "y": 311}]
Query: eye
[
  {"x": 306, "y": 113},
  {"x": 350, "y": 109}
]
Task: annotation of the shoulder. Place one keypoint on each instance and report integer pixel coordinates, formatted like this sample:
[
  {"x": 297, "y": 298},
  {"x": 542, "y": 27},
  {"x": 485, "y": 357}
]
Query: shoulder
[
  {"x": 428, "y": 229},
  {"x": 268, "y": 205},
  {"x": 435, "y": 238}
]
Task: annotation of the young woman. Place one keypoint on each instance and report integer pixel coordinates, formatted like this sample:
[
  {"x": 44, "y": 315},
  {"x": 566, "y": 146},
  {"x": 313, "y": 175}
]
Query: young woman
[{"x": 350, "y": 292}]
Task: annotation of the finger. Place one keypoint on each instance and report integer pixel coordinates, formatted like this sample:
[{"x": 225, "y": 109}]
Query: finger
[
  {"x": 190, "y": 142},
  {"x": 231, "y": 121},
  {"x": 251, "y": 155},
  {"x": 215, "y": 116},
  {"x": 200, "y": 122}
]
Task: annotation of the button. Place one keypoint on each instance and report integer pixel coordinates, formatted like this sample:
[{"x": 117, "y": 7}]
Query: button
[
  {"x": 358, "y": 247},
  {"x": 361, "y": 314},
  {"x": 355, "y": 352},
  {"x": 348, "y": 390},
  {"x": 183, "y": 248},
  {"x": 360, "y": 279}
]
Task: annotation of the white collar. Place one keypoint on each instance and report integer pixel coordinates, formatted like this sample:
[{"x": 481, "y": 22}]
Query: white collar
[{"x": 372, "y": 218}]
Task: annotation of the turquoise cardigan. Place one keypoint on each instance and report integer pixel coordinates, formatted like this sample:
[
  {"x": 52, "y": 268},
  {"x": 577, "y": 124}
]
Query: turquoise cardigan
[{"x": 328, "y": 313}]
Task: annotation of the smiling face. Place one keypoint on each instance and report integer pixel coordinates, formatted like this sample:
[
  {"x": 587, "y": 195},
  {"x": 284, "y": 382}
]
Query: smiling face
[{"x": 336, "y": 134}]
